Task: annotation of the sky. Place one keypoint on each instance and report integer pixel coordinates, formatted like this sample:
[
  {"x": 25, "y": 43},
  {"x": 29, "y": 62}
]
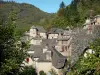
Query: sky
[{"x": 50, "y": 6}]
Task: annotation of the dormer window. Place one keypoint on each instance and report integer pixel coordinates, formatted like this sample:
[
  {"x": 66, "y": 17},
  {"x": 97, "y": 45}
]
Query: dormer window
[
  {"x": 44, "y": 50},
  {"x": 48, "y": 55}
]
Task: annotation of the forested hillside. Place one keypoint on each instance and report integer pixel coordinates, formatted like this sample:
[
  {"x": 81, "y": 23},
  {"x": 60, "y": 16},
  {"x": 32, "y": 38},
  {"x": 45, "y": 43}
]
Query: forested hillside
[
  {"x": 76, "y": 13},
  {"x": 72, "y": 15},
  {"x": 26, "y": 14}
]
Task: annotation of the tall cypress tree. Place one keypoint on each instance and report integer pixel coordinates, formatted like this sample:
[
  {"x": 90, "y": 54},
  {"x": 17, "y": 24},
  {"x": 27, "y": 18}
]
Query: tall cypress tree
[
  {"x": 62, "y": 5},
  {"x": 61, "y": 10}
]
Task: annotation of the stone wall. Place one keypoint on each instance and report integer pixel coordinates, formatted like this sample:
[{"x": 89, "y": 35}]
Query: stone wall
[{"x": 80, "y": 41}]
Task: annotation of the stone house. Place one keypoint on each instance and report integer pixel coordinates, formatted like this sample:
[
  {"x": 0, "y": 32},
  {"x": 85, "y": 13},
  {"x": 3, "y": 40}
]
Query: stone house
[
  {"x": 64, "y": 44},
  {"x": 90, "y": 24},
  {"x": 38, "y": 31},
  {"x": 54, "y": 33},
  {"x": 97, "y": 18}
]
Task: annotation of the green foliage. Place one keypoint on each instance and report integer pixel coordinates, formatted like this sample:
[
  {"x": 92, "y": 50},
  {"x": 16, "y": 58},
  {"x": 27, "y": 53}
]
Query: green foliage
[
  {"x": 62, "y": 5},
  {"x": 60, "y": 22},
  {"x": 28, "y": 71},
  {"x": 11, "y": 51},
  {"x": 53, "y": 72},
  {"x": 61, "y": 10},
  {"x": 76, "y": 13},
  {"x": 42, "y": 73},
  {"x": 26, "y": 14}
]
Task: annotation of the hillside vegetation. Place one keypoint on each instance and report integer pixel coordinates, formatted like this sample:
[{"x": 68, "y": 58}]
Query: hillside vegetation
[
  {"x": 72, "y": 15},
  {"x": 26, "y": 14},
  {"x": 76, "y": 13}
]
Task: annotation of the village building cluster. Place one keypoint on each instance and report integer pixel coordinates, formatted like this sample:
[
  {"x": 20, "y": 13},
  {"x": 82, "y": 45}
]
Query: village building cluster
[{"x": 52, "y": 49}]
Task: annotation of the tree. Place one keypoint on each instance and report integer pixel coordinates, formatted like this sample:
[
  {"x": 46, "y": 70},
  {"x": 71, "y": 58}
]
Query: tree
[
  {"x": 11, "y": 52},
  {"x": 53, "y": 72},
  {"x": 28, "y": 71},
  {"x": 62, "y": 5},
  {"x": 42, "y": 73},
  {"x": 60, "y": 22},
  {"x": 61, "y": 10}
]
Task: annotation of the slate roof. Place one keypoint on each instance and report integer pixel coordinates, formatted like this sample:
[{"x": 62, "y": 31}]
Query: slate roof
[
  {"x": 49, "y": 42},
  {"x": 37, "y": 38},
  {"x": 37, "y": 50},
  {"x": 58, "y": 60},
  {"x": 39, "y": 28},
  {"x": 67, "y": 32},
  {"x": 56, "y": 31},
  {"x": 43, "y": 58},
  {"x": 63, "y": 39},
  {"x": 38, "y": 53},
  {"x": 33, "y": 27}
]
